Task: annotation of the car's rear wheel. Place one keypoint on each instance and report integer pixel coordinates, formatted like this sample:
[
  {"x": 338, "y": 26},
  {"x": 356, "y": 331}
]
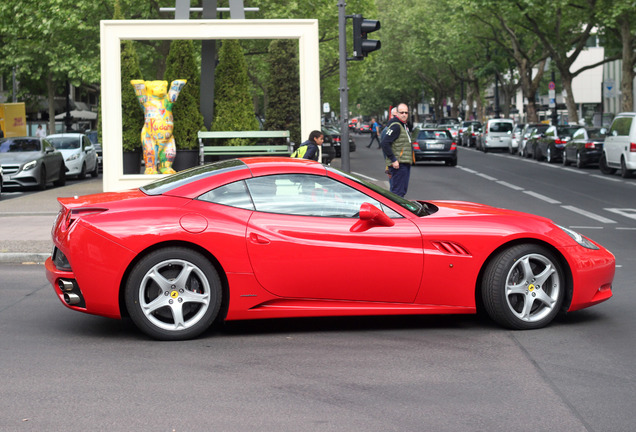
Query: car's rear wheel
[
  {"x": 605, "y": 169},
  {"x": 523, "y": 287},
  {"x": 564, "y": 159},
  {"x": 173, "y": 294},
  {"x": 548, "y": 156},
  {"x": 579, "y": 161}
]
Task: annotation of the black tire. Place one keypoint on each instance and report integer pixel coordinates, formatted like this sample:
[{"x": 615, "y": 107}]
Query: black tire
[
  {"x": 523, "y": 287},
  {"x": 602, "y": 165},
  {"x": 61, "y": 180},
  {"x": 82, "y": 174},
  {"x": 625, "y": 173},
  {"x": 452, "y": 162},
  {"x": 579, "y": 161},
  {"x": 564, "y": 159},
  {"x": 42, "y": 183},
  {"x": 95, "y": 172},
  {"x": 537, "y": 154},
  {"x": 173, "y": 280},
  {"x": 549, "y": 158}
]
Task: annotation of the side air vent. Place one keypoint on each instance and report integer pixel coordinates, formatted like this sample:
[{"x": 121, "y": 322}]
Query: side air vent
[{"x": 450, "y": 248}]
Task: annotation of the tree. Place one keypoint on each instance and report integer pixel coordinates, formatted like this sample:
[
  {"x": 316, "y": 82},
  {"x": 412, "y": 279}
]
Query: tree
[
  {"x": 233, "y": 109},
  {"x": 54, "y": 42},
  {"x": 188, "y": 121},
  {"x": 283, "y": 108}
]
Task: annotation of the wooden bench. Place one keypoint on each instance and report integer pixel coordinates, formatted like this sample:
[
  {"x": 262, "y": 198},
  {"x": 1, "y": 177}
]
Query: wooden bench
[{"x": 247, "y": 150}]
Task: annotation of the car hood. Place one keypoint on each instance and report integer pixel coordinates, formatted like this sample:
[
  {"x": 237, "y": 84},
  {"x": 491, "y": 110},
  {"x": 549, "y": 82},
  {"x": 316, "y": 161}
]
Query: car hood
[
  {"x": 19, "y": 158},
  {"x": 68, "y": 152},
  {"x": 470, "y": 209}
]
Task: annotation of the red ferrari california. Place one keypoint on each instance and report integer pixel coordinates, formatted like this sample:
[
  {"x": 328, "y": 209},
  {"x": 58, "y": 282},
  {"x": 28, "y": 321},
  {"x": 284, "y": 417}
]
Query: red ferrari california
[{"x": 278, "y": 237}]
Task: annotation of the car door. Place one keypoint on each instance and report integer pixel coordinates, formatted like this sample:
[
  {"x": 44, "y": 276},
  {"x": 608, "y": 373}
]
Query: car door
[
  {"x": 91, "y": 155},
  {"x": 305, "y": 240}
]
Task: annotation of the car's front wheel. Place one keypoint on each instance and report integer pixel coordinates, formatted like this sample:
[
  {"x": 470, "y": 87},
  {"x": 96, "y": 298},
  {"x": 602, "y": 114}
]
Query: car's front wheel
[
  {"x": 173, "y": 294},
  {"x": 523, "y": 287}
]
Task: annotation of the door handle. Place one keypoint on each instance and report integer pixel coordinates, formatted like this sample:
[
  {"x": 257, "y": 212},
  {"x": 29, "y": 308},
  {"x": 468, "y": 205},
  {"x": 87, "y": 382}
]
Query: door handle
[{"x": 257, "y": 239}]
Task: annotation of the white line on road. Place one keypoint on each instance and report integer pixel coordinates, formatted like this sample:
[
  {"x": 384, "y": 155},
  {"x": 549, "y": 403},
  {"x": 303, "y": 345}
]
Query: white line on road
[
  {"x": 486, "y": 176},
  {"x": 542, "y": 197},
  {"x": 626, "y": 228},
  {"x": 366, "y": 177},
  {"x": 585, "y": 227},
  {"x": 606, "y": 178},
  {"x": 472, "y": 171},
  {"x": 588, "y": 214},
  {"x": 628, "y": 213},
  {"x": 509, "y": 185}
]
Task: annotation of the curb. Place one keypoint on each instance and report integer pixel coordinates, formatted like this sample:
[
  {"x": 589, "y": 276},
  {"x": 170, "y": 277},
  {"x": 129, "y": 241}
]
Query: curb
[{"x": 23, "y": 258}]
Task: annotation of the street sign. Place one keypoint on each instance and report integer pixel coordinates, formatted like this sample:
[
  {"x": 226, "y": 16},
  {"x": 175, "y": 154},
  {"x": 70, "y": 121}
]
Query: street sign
[
  {"x": 609, "y": 88},
  {"x": 552, "y": 97},
  {"x": 551, "y": 85}
]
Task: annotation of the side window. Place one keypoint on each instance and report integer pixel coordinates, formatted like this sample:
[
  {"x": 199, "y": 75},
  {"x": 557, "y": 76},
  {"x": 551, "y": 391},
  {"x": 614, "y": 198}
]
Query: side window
[
  {"x": 621, "y": 126},
  {"x": 580, "y": 134},
  {"x": 233, "y": 195},
  {"x": 307, "y": 195}
]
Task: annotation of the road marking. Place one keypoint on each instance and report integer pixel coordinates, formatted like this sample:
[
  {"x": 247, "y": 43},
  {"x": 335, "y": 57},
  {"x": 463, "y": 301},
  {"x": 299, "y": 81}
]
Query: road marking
[
  {"x": 472, "y": 171},
  {"x": 366, "y": 177},
  {"x": 486, "y": 176},
  {"x": 626, "y": 229},
  {"x": 606, "y": 178},
  {"x": 588, "y": 214},
  {"x": 542, "y": 197},
  {"x": 509, "y": 185},
  {"x": 574, "y": 170},
  {"x": 585, "y": 227},
  {"x": 628, "y": 213}
]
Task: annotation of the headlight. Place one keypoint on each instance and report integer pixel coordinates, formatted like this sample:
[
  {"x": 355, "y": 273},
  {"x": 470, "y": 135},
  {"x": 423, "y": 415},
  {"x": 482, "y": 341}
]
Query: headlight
[
  {"x": 29, "y": 165},
  {"x": 73, "y": 157},
  {"x": 583, "y": 241}
]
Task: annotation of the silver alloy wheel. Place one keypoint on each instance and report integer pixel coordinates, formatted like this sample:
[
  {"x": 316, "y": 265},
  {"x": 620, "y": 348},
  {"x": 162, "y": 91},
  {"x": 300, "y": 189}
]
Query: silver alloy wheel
[
  {"x": 532, "y": 287},
  {"x": 174, "y": 295}
]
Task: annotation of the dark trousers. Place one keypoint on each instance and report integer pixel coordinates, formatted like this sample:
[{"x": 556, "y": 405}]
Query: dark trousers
[
  {"x": 400, "y": 179},
  {"x": 374, "y": 136}
]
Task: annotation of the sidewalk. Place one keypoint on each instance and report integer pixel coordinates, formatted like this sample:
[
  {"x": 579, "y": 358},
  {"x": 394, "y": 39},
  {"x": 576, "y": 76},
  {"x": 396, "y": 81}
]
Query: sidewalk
[{"x": 26, "y": 220}]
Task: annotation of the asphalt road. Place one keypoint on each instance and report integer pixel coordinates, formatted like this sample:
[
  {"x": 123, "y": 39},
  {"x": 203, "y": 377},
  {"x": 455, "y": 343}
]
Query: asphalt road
[{"x": 73, "y": 372}]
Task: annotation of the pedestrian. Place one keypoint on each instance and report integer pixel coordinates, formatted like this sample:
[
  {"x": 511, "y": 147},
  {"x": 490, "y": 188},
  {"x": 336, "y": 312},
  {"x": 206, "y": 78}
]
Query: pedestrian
[
  {"x": 310, "y": 148},
  {"x": 396, "y": 146},
  {"x": 375, "y": 133},
  {"x": 40, "y": 133}
]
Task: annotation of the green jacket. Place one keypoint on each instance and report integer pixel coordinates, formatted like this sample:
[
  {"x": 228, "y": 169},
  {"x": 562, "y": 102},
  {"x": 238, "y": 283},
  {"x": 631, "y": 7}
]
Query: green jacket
[{"x": 401, "y": 147}]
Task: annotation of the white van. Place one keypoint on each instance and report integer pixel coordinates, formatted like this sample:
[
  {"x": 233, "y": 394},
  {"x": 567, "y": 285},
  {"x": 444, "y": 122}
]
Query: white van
[
  {"x": 497, "y": 134},
  {"x": 619, "y": 149}
]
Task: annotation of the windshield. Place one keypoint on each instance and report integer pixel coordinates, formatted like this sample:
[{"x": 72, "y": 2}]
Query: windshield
[
  {"x": 65, "y": 143},
  {"x": 17, "y": 145},
  {"x": 414, "y": 207}
]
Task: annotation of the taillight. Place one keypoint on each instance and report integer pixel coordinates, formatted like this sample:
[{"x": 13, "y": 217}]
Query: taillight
[
  {"x": 453, "y": 146},
  {"x": 560, "y": 141},
  {"x": 590, "y": 145},
  {"x": 632, "y": 147},
  {"x": 416, "y": 146},
  {"x": 336, "y": 139}
]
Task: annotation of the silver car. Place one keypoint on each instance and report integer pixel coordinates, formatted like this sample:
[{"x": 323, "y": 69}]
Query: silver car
[{"x": 30, "y": 161}]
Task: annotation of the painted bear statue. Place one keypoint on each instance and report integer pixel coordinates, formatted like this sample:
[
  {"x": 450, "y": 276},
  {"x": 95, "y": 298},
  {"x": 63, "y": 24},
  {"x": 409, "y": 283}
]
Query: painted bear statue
[{"x": 156, "y": 135}]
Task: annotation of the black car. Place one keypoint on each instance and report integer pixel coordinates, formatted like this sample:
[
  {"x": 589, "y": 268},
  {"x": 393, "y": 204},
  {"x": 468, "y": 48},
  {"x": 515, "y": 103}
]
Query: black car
[
  {"x": 470, "y": 134},
  {"x": 435, "y": 144},
  {"x": 332, "y": 134},
  {"x": 550, "y": 145},
  {"x": 585, "y": 147},
  {"x": 532, "y": 134}
]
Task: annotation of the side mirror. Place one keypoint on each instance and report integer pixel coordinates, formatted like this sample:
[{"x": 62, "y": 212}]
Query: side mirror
[{"x": 373, "y": 215}]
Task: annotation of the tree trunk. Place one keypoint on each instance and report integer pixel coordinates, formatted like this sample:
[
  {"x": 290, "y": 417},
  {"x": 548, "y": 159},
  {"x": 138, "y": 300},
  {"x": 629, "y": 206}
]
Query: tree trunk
[
  {"x": 50, "y": 87},
  {"x": 627, "y": 79},
  {"x": 570, "y": 103}
]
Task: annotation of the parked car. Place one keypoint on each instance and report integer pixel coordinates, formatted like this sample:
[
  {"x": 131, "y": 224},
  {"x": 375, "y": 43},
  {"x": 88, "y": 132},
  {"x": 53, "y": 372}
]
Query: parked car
[
  {"x": 585, "y": 147},
  {"x": 94, "y": 137},
  {"x": 550, "y": 145},
  {"x": 434, "y": 144},
  {"x": 226, "y": 227},
  {"x": 497, "y": 134},
  {"x": 517, "y": 134},
  {"x": 327, "y": 149},
  {"x": 471, "y": 134},
  {"x": 364, "y": 128},
  {"x": 530, "y": 137},
  {"x": 79, "y": 153},
  {"x": 31, "y": 162},
  {"x": 619, "y": 149},
  {"x": 335, "y": 135}
]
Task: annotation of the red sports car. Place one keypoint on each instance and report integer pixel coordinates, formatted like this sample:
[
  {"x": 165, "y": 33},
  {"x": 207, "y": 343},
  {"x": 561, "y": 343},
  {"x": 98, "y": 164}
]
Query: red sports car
[{"x": 242, "y": 239}]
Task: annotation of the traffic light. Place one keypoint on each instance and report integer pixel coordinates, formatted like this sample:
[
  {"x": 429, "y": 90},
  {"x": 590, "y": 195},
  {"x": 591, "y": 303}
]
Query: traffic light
[{"x": 361, "y": 45}]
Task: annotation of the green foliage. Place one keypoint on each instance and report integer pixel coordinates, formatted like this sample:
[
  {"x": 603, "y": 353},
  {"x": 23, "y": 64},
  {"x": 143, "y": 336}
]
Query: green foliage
[
  {"x": 283, "y": 109},
  {"x": 181, "y": 64},
  {"x": 233, "y": 109}
]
